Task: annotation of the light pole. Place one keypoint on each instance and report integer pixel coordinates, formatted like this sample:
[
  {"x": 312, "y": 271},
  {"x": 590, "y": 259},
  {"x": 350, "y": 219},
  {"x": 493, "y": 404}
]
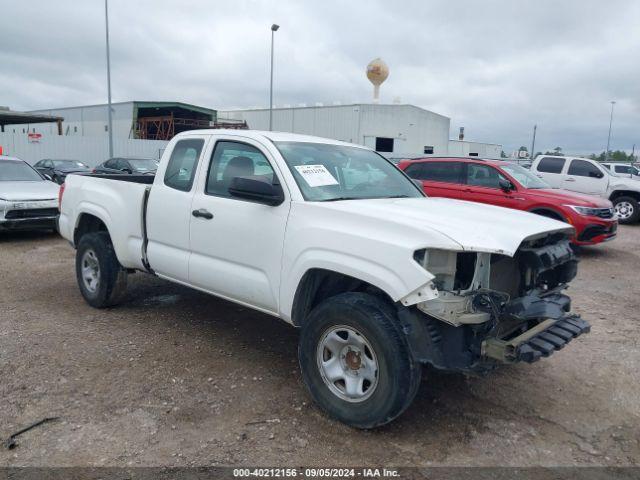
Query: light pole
[
  {"x": 110, "y": 124},
  {"x": 533, "y": 143},
  {"x": 274, "y": 29},
  {"x": 606, "y": 155}
]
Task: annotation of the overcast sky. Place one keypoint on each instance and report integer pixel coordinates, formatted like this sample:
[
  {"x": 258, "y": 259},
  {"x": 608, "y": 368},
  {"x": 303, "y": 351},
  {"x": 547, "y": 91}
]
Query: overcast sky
[{"x": 494, "y": 67}]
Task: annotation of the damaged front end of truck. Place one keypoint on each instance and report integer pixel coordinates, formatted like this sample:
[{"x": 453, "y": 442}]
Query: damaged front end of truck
[{"x": 481, "y": 309}]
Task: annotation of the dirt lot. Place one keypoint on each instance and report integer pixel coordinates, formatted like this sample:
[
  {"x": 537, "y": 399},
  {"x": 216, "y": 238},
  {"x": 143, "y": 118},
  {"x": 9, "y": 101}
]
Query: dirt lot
[{"x": 175, "y": 377}]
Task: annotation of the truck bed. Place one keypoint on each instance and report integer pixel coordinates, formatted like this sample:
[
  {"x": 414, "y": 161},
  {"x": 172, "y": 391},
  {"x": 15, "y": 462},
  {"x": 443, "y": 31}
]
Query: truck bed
[
  {"x": 118, "y": 201},
  {"x": 144, "y": 179}
]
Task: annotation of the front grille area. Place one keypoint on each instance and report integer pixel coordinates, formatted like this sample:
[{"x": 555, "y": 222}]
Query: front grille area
[
  {"x": 593, "y": 231},
  {"x": 31, "y": 213},
  {"x": 604, "y": 212}
]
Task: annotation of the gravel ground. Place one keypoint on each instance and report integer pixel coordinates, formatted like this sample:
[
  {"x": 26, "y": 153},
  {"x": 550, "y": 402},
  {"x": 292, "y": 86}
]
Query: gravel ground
[{"x": 176, "y": 377}]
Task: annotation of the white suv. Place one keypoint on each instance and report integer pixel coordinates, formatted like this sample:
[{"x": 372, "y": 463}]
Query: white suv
[
  {"x": 623, "y": 169},
  {"x": 588, "y": 176}
]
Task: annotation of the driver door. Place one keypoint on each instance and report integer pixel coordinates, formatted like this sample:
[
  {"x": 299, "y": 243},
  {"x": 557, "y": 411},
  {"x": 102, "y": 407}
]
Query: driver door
[
  {"x": 584, "y": 177},
  {"x": 236, "y": 245}
]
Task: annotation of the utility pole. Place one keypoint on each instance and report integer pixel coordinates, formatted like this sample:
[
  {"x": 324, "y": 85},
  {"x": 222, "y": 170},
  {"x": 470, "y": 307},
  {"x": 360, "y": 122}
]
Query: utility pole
[
  {"x": 274, "y": 29},
  {"x": 606, "y": 155},
  {"x": 533, "y": 142},
  {"x": 110, "y": 123}
]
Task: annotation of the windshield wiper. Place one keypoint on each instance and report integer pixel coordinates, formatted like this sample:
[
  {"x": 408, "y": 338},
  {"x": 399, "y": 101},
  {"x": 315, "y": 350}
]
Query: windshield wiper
[
  {"x": 363, "y": 198},
  {"x": 341, "y": 198}
]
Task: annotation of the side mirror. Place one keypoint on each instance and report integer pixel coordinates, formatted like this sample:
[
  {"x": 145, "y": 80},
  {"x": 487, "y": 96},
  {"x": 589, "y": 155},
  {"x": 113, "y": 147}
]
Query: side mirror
[
  {"x": 126, "y": 170},
  {"x": 596, "y": 174},
  {"x": 256, "y": 190},
  {"x": 505, "y": 185},
  {"x": 48, "y": 177}
]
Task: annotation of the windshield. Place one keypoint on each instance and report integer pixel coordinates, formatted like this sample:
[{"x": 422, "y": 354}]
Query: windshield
[
  {"x": 524, "y": 177},
  {"x": 68, "y": 164},
  {"x": 143, "y": 164},
  {"x": 335, "y": 172},
  {"x": 17, "y": 171}
]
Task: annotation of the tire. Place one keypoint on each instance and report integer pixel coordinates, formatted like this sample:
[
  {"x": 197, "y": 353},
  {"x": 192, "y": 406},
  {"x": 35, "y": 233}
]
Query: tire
[
  {"x": 101, "y": 278},
  {"x": 627, "y": 209},
  {"x": 369, "y": 326}
]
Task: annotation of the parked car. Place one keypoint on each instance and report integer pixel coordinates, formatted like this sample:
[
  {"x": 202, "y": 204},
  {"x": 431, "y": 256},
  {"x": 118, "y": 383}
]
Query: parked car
[
  {"x": 583, "y": 175},
  {"x": 509, "y": 185},
  {"x": 57, "y": 170},
  {"x": 379, "y": 278},
  {"x": 28, "y": 201},
  {"x": 622, "y": 169},
  {"x": 119, "y": 166}
]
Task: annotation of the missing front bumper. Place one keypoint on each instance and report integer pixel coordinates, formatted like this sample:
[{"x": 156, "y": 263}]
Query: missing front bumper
[{"x": 539, "y": 341}]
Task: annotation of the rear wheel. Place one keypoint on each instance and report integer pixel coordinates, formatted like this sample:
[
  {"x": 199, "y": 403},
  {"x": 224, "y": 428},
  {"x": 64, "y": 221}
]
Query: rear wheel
[
  {"x": 356, "y": 362},
  {"x": 627, "y": 209},
  {"x": 101, "y": 278}
]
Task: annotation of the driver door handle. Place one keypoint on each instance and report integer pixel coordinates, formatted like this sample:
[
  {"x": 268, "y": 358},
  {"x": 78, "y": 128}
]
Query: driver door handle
[
  {"x": 569, "y": 179},
  {"x": 202, "y": 213}
]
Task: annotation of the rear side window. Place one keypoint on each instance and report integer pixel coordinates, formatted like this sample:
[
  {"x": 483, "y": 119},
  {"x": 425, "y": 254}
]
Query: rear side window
[
  {"x": 122, "y": 165},
  {"x": 582, "y": 168},
  {"x": 181, "y": 168},
  {"x": 414, "y": 170},
  {"x": 450, "y": 172},
  {"x": 551, "y": 165}
]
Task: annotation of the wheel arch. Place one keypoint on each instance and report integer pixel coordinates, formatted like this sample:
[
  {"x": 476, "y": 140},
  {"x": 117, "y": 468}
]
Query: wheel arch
[
  {"x": 88, "y": 223},
  {"x": 624, "y": 193},
  {"x": 549, "y": 212},
  {"x": 319, "y": 284}
]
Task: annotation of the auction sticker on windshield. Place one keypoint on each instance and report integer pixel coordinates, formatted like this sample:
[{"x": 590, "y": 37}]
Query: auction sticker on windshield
[{"x": 316, "y": 175}]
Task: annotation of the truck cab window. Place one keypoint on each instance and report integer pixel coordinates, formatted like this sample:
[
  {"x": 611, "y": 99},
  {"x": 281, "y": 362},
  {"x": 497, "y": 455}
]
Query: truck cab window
[
  {"x": 182, "y": 164},
  {"x": 233, "y": 159},
  {"x": 551, "y": 165},
  {"x": 582, "y": 168}
]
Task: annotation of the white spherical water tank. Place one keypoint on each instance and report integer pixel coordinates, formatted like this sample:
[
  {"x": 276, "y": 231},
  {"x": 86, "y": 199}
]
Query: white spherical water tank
[{"x": 377, "y": 72}]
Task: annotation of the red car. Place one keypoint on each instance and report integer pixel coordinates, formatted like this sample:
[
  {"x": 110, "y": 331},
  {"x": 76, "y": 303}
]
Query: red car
[{"x": 508, "y": 185}]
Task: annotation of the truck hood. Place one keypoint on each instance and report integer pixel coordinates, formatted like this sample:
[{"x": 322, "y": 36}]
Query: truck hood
[
  {"x": 40, "y": 190},
  {"x": 565, "y": 197},
  {"x": 473, "y": 226}
]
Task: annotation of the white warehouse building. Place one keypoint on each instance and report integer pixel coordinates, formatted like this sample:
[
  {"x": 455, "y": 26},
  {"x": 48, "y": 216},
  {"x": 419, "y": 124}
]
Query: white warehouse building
[{"x": 391, "y": 129}]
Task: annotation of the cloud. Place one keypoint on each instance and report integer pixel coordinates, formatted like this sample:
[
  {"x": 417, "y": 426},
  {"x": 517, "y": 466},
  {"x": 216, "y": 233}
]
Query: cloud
[{"x": 495, "y": 67}]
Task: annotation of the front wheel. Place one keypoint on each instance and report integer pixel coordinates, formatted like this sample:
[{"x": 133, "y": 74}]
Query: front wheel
[
  {"x": 356, "y": 362},
  {"x": 627, "y": 209},
  {"x": 101, "y": 278}
]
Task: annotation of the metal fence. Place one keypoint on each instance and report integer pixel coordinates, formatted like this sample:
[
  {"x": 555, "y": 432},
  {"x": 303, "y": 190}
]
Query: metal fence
[{"x": 90, "y": 150}]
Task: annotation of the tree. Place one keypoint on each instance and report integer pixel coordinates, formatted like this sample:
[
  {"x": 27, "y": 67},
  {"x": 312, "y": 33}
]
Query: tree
[
  {"x": 558, "y": 150},
  {"x": 618, "y": 156}
]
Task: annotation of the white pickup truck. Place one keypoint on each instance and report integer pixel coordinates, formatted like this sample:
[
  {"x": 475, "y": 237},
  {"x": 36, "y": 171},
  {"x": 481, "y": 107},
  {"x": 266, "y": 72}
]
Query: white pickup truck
[
  {"x": 584, "y": 175},
  {"x": 334, "y": 239}
]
